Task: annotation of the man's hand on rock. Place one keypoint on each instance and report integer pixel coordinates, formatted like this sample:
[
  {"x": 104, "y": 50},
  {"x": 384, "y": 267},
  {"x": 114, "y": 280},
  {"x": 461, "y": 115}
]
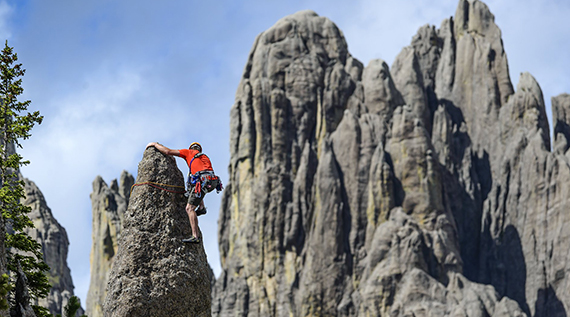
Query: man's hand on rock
[{"x": 151, "y": 144}]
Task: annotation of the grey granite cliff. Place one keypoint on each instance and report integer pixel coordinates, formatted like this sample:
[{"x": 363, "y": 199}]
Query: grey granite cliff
[
  {"x": 53, "y": 239},
  {"x": 424, "y": 189}
]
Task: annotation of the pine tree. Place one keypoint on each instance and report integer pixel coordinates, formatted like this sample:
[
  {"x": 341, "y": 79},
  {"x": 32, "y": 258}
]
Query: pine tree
[
  {"x": 15, "y": 125},
  {"x": 72, "y": 307}
]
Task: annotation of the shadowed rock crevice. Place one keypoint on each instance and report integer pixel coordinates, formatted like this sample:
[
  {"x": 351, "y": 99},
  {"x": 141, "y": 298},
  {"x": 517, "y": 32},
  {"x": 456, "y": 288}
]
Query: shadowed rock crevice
[
  {"x": 548, "y": 304},
  {"x": 561, "y": 117},
  {"x": 509, "y": 274}
]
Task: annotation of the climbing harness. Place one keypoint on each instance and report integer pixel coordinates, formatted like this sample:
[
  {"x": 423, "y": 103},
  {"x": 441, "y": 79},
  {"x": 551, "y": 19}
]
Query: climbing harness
[
  {"x": 205, "y": 181},
  {"x": 157, "y": 185}
]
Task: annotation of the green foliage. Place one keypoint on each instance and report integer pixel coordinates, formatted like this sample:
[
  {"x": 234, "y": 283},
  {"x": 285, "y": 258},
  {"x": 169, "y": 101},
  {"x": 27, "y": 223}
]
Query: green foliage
[
  {"x": 71, "y": 308},
  {"x": 15, "y": 125},
  {"x": 41, "y": 311},
  {"x": 5, "y": 287}
]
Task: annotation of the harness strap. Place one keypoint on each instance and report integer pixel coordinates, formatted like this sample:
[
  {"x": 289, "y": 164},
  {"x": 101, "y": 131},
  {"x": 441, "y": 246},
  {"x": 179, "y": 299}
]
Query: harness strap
[
  {"x": 190, "y": 168},
  {"x": 192, "y": 160},
  {"x": 198, "y": 190}
]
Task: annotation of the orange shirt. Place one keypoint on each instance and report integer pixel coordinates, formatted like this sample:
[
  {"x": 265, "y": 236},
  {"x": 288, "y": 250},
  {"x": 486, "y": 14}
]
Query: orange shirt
[{"x": 201, "y": 163}]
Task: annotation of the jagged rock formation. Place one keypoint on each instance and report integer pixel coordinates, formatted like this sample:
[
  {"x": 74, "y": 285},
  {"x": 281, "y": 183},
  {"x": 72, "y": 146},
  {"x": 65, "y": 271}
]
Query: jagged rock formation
[
  {"x": 53, "y": 239},
  {"x": 427, "y": 189},
  {"x": 154, "y": 273},
  {"x": 109, "y": 204},
  {"x": 22, "y": 296}
]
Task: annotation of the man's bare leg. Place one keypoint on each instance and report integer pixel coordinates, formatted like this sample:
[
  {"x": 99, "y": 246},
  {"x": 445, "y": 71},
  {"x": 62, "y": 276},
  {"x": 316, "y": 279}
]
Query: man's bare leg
[{"x": 190, "y": 210}]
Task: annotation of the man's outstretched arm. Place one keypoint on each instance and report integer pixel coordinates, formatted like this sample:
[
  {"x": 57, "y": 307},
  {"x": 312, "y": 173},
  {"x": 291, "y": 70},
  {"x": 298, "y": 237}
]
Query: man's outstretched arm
[{"x": 163, "y": 149}]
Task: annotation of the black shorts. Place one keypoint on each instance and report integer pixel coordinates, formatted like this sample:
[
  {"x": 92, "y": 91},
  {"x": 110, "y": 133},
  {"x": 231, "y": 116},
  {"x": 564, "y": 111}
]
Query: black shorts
[{"x": 194, "y": 198}]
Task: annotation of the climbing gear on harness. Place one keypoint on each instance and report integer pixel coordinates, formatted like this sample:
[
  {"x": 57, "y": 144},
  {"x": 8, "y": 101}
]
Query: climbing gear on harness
[
  {"x": 157, "y": 185},
  {"x": 203, "y": 181},
  {"x": 220, "y": 187},
  {"x": 192, "y": 239},
  {"x": 195, "y": 146}
]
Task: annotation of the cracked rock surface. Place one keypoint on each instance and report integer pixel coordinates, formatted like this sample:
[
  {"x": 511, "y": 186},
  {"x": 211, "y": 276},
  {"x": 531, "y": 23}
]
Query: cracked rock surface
[{"x": 428, "y": 188}]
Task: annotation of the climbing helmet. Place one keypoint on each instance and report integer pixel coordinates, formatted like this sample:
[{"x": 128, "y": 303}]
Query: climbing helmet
[{"x": 196, "y": 146}]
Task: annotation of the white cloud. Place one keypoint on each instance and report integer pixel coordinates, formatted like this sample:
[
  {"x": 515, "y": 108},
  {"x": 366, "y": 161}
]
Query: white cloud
[{"x": 6, "y": 12}]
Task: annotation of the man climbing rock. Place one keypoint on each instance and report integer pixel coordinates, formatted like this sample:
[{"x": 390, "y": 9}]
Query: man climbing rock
[{"x": 201, "y": 180}]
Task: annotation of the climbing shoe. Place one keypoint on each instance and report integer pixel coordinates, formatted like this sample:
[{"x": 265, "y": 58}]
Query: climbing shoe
[
  {"x": 191, "y": 240},
  {"x": 201, "y": 211}
]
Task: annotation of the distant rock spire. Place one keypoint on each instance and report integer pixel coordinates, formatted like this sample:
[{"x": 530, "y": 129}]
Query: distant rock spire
[
  {"x": 53, "y": 239},
  {"x": 561, "y": 119},
  {"x": 108, "y": 206}
]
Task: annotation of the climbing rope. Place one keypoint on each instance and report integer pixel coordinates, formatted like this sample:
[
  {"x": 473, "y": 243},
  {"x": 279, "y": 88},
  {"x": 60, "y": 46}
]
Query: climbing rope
[{"x": 157, "y": 185}]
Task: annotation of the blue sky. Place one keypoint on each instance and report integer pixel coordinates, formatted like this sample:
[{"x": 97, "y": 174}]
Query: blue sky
[{"x": 111, "y": 76}]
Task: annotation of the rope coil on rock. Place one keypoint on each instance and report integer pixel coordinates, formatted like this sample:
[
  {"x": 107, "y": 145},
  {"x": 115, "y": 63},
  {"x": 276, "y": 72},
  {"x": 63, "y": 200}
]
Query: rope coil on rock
[{"x": 157, "y": 185}]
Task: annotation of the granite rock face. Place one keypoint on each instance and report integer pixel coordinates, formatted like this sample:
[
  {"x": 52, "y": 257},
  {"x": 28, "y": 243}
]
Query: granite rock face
[
  {"x": 154, "y": 273},
  {"x": 427, "y": 189},
  {"x": 109, "y": 204},
  {"x": 53, "y": 239}
]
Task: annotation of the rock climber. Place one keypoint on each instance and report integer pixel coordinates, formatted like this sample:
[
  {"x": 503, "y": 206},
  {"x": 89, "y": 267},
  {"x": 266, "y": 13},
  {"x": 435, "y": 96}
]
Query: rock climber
[{"x": 201, "y": 180}]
